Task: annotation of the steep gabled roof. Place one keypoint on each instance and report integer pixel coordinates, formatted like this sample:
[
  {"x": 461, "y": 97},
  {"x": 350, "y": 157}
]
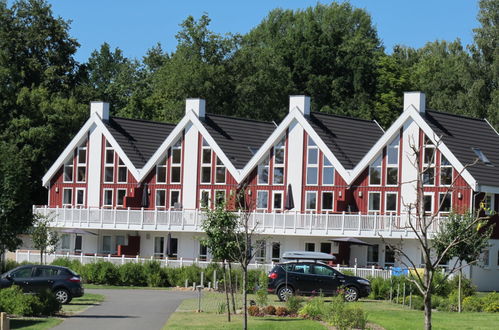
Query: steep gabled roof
[
  {"x": 461, "y": 134},
  {"x": 348, "y": 138},
  {"x": 139, "y": 139},
  {"x": 239, "y": 138}
]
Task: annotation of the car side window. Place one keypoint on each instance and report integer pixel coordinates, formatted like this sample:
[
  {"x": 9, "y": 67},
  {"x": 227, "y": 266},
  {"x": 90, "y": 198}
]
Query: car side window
[
  {"x": 302, "y": 269},
  {"x": 45, "y": 272},
  {"x": 323, "y": 270},
  {"x": 22, "y": 273}
]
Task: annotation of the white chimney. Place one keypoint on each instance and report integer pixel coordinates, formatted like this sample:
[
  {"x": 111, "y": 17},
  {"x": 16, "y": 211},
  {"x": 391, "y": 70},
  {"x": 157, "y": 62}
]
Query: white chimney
[
  {"x": 301, "y": 102},
  {"x": 196, "y": 105},
  {"x": 416, "y": 99},
  {"x": 100, "y": 108}
]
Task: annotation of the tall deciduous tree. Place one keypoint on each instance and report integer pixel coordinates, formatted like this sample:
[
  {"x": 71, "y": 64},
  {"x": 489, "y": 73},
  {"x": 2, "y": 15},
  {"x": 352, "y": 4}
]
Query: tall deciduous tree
[
  {"x": 15, "y": 204},
  {"x": 328, "y": 52}
]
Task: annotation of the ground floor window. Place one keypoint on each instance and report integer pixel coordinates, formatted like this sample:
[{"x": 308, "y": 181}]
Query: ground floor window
[
  {"x": 174, "y": 248},
  {"x": 203, "y": 252},
  {"x": 310, "y": 247},
  {"x": 326, "y": 248},
  {"x": 159, "y": 246},
  {"x": 389, "y": 256},
  {"x": 373, "y": 254},
  {"x": 260, "y": 254},
  {"x": 65, "y": 239},
  {"x": 276, "y": 251},
  {"x": 106, "y": 244}
]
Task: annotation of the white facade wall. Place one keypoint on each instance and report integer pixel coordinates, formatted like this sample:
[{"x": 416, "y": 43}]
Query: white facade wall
[
  {"x": 295, "y": 161},
  {"x": 189, "y": 187},
  {"x": 94, "y": 167},
  {"x": 410, "y": 139}
]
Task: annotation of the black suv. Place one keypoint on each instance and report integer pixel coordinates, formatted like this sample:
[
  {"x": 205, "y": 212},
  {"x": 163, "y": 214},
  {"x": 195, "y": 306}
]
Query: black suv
[
  {"x": 63, "y": 282},
  {"x": 308, "y": 278}
]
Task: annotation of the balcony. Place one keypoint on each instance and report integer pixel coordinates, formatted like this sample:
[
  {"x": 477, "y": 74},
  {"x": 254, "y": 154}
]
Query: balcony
[{"x": 287, "y": 223}]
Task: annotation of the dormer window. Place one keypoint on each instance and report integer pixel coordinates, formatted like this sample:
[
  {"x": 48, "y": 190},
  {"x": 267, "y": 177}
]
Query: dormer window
[{"x": 482, "y": 156}]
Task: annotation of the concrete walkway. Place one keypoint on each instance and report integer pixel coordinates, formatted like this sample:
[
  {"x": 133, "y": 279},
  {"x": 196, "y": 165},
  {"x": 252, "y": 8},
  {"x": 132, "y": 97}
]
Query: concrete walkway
[{"x": 127, "y": 309}]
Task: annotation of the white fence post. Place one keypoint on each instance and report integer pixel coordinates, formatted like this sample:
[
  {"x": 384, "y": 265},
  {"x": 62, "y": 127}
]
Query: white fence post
[
  {"x": 142, "y": 218},
  {"x": 360, "y": 221}
]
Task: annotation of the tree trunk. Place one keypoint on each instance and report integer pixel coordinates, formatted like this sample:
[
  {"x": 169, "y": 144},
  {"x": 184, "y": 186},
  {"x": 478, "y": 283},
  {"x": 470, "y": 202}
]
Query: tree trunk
[
  {"x": 427, "y": 298},
  {"x": 245, "y": 298},
  {"x": 226, "y": 292},
  {"x": 459, "y": 289},
  {"x": 41, "y": 257},
  {"x": 231, "y": 288}
]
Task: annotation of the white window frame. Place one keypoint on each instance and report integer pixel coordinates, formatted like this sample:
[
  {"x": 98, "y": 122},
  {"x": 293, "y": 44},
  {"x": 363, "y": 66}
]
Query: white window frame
[
  {"x": 107, "y": 164},
  {"x": 258, "y": 192},
  {"x": 104, "y": 197},
  {"x": 161, "y": 253},
  {"x": 208, "y": 191},
  {"x": 110, "y": 244},
  {"x": 428, "y": 166},
  {"x": 121, "y": 165},
  {"x": 389, "y": 165},
  {"x": 306, "y": 200},
  {"x": 64, "y": 194},
  {"x": 264, "y": 164},
  {"x": 177, "y": 146},
  {"x": 172, "y": 205},
  {"x": 76, "y": 197},
  {"x": 322, "y": 201},
  {"x": 261, "y": 253},
  {"x": 281, "y": 145},
  {"x": 490, "y": 205},
  {"x": 448, "y": 165},
  {"x": 216, "y": 193},
  {"x": 272, "y": 258},
  {"x": 275, "y": 192},
  {"x": 68, "y": 246},
  {"x": 118, "y": 194},
  {"x": 156, "y": 199},
  {"x": 206, "y": 147},
  {"x": 379, "y": 168},
  {"x": 311, "y": 145},
  {"x": 83, "y": 165},
  {"x": 396, "y": 202},
  {"x": 162, "y": 165},
  {"x": 70, "y": 164},
  {"x": 202, "y": 257},
  {"x": 369, "y": 194},
  {"x": 305, "y": 247},
  {"x": 324, "y": 167},
  {"x": 432, "y": 195},
  {"x": 220, "y": 165},
  {"x": 439, "y": 196}
]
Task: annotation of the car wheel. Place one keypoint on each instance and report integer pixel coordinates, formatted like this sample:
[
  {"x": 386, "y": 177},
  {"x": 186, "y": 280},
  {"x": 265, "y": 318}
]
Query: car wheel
[
  {"x": 284, "y": 292},
  {"x": 62, "y": 296},
  {"x": 351, "y": 294}
]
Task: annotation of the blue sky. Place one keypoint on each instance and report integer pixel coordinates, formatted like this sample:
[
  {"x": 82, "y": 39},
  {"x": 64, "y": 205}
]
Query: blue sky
[{"x": 135, "y": 26}]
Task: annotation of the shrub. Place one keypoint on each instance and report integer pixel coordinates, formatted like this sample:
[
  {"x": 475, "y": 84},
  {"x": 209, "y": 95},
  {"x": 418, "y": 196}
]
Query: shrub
[
  {"x": 491, "y": 302},
  {"x": 14, "y": 301},
  {"x": 293, "y": 304},
  {"x": 467, "y": 287},
  {"x": 154, "y": 274},
  {"x": 8, "y": 265},
  {"x": 261, "y": 293},
  {"x": 437, "y": 302},
  {"x": 315, "y": 309},
  {"x": 472, "y": 304},
  {"x": 221, "y": 308},
  {"x": 73, "y": 264},
  {"x": 416, "y": 302},
  {"x": 348, "y": 272},
  {"x": 270, "y": 310},
  {"x": 131, "y": 274},
  {"x": 100, "y": 272},
  {"x": 281, "y": 311},
  {"x": 380, "y": 288},
  {"x": 254, "y": 310},
  {"x": 343, "y": 316}
]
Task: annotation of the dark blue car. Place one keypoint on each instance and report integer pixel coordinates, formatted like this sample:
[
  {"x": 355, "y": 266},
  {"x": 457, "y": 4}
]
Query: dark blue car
[{"x": 62, "y": 281}]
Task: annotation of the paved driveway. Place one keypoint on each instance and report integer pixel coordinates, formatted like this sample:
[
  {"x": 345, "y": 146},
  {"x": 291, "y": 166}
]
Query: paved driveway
[{"x": 127, "y": 309}]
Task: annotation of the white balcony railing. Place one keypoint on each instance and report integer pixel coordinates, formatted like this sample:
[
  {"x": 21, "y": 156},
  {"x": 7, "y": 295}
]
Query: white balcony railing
[{"x": 288, "y": 223}]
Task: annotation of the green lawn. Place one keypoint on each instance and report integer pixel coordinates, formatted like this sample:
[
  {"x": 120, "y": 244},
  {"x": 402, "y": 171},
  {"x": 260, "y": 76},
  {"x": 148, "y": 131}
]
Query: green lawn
[
  {"x": 184, "y": 320},
  {"x": 391, "y": 316},
  {"x": 77, "y": 305}
]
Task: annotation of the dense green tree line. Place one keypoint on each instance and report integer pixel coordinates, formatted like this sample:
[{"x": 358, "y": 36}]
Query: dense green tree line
[{"x": 330, "y": 52}]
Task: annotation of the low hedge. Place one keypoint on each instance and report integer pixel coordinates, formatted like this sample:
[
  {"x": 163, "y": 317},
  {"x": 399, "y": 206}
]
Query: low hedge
[{"x": 14, "y": 301}]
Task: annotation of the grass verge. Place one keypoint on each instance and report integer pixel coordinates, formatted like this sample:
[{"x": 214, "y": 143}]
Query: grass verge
[
  {"x": 392, "y": 316},
  {"x": 77, "y": 305}
]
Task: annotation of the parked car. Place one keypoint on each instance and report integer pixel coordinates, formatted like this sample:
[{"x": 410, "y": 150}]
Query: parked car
[
  {"x": 308, "y": 278},
  {"x": 62, "y": 281}
]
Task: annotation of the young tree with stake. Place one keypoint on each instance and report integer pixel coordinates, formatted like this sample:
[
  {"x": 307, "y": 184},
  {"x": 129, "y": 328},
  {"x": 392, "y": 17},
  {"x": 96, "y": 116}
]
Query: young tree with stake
[{"x": 43, "y": 236}]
